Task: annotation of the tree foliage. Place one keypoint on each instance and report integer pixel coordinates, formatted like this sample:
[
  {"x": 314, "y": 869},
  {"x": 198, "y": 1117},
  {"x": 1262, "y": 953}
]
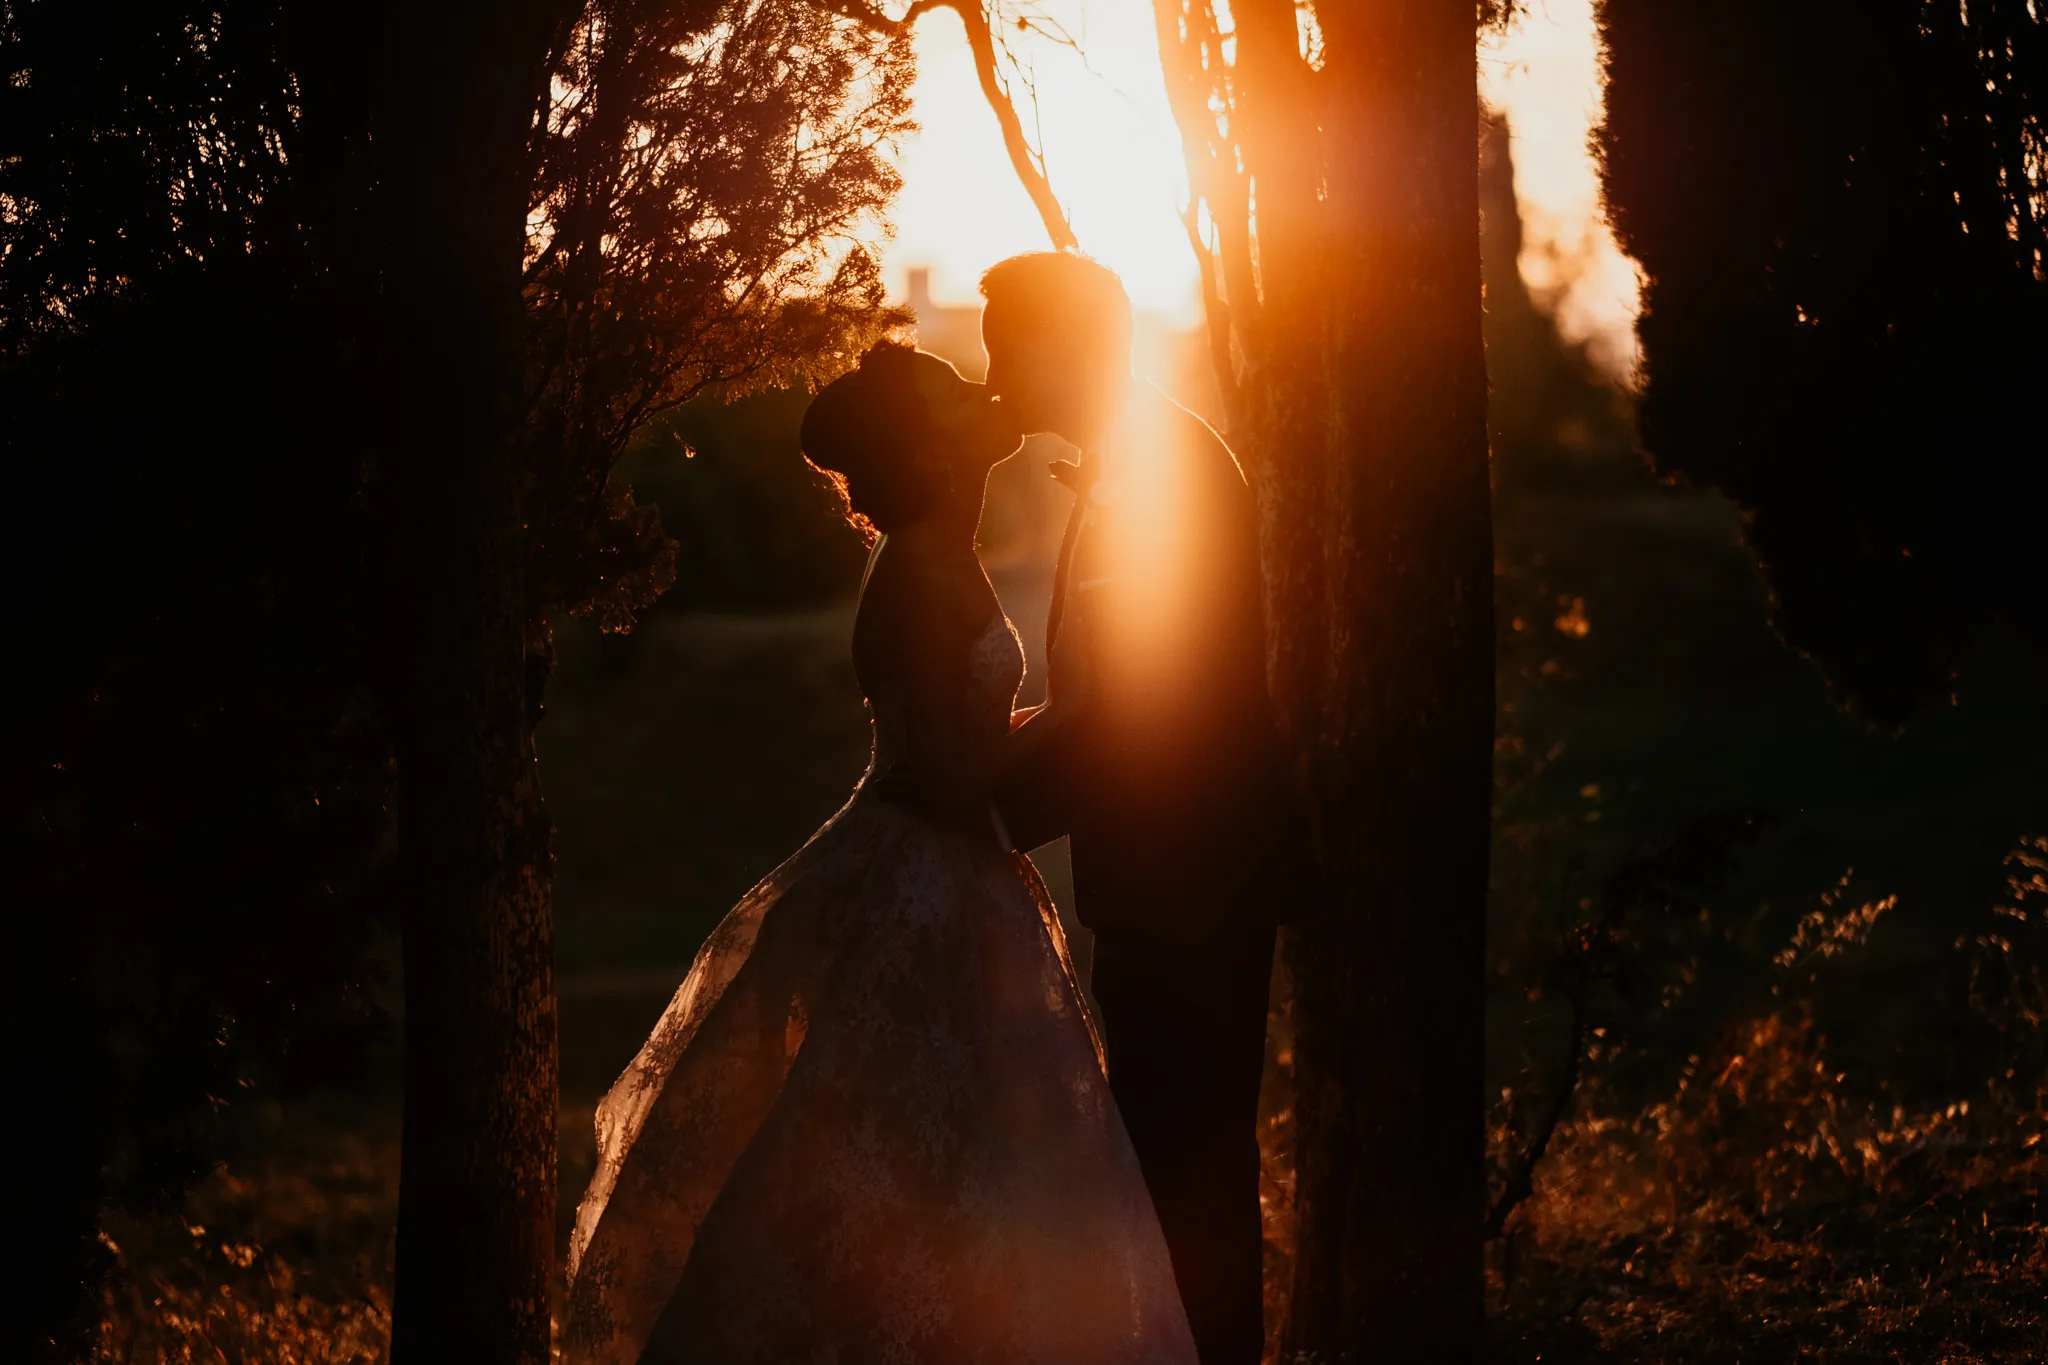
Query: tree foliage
[
  {"x": 196, "y": 323},
  {"x": 194, "y": 772},
  {"x": 1841, "y": 211},
  {"x": 140, "y": 139},
  {"x": 710, "y": 177}
]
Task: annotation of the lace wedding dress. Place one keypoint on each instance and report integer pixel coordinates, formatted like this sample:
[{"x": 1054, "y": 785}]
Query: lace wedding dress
[{"x": 872, "y": 1126}]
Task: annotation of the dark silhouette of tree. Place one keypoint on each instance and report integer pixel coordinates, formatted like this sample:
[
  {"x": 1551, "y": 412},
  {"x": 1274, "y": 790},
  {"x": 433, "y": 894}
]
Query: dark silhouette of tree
[
  {"x": 1841, "y": 215},
  {"x": 458, "y": 85},
  {"x": 1340, "y": 262},
  {"x": 194, "y": 774},
  {"x": 311, "y": 404},
  {"x": 695, "y": 178}
]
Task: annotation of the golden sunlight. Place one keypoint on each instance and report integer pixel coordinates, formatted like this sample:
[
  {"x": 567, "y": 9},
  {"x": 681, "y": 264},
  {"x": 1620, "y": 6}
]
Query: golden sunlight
[
  {"x": 1110, "y": 149},
  {"x": 1545, "y": 76},
  {"x": 1113, "y": 156}
]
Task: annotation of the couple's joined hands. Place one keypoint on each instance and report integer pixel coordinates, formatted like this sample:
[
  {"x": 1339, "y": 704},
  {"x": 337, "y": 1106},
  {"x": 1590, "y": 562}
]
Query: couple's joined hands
[{"x": 1070, "y": 674}]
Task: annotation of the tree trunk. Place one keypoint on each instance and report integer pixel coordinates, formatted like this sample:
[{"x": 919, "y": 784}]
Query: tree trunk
[
  {"x": 1336, "y": 171},
  {"x": 61, "y": 1070},
  {"x": 1379, "y": 543},
  {"x": 477, "y": 1179}
]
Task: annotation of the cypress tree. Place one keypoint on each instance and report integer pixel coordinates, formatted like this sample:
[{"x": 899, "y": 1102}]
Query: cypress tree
[
  {"x": 1334, "y": 160},
  {"x": 1841, "y": 218}
]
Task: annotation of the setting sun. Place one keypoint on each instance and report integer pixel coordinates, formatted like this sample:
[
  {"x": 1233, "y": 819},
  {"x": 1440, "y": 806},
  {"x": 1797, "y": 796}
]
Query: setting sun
[
  {"x": 1110, "y": 148},
  {"x": 1113, "y": 155}
]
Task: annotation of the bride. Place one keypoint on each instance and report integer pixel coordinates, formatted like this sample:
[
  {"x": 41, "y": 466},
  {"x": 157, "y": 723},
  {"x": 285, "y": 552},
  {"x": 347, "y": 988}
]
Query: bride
[{"x": 872, "y": 1125}]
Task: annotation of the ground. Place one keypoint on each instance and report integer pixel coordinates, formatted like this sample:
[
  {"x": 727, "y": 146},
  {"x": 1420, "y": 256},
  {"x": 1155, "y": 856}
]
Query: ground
[{"x": 1695, "y": 1203}]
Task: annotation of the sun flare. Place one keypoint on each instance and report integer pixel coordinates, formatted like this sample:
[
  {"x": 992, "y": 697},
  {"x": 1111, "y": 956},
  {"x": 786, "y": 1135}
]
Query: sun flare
[{"x": 1100, "y": 116}]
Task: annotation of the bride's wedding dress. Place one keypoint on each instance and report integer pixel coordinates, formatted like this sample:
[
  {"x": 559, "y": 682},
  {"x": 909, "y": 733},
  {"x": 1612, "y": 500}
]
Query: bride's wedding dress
[{"x": 872, "y": 1126}]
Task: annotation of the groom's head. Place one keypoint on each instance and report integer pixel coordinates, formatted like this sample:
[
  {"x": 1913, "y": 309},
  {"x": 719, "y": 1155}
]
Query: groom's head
[{"x": 1057, "y": 329}]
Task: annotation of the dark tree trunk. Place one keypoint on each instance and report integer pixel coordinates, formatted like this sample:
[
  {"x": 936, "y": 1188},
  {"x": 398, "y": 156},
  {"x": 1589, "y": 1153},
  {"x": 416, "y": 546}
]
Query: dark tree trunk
[
  {"x": 1345, "y": 326},
  {"x": 1380, "y": 544},
  {"x": 477, "y": 1182},
  {"x": 60, "y": 1072}
]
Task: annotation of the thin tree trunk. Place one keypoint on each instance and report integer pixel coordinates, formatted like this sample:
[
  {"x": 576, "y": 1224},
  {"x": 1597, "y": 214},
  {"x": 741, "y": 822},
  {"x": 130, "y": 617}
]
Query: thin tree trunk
[
  {"x": 1389, "y": 686},
  {"x": 477, "y": 1179}
]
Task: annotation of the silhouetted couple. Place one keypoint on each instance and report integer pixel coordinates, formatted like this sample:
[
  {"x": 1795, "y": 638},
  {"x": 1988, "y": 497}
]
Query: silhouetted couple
[{"x": 875, "y": 1123}]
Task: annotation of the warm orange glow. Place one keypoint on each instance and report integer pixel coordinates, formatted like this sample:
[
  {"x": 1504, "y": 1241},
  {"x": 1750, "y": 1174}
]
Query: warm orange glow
[
  {"x": 1545, "y": 76},
  {"x": 1110, "y": 148},
  {"x": 1150, "y": 560},
  {"x": 1114, "y": 158}
]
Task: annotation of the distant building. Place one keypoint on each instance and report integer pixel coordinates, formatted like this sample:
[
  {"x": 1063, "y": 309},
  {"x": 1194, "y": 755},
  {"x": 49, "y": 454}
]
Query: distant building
[
  {"x": 1175, "y": 359},
  {"x": 1026, "y": 511},
  {"x": 953, "y": 333}
]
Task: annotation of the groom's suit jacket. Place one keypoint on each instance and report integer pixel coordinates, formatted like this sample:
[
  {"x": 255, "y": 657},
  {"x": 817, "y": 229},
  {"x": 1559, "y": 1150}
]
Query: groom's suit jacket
[{"x": 1168, "y": 776}]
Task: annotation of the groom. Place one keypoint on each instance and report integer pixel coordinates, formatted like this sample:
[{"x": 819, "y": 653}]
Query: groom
[{"x": 1165, "y": 770}]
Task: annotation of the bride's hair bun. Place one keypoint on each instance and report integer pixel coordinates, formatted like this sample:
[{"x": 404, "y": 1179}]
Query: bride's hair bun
[{"x": 864, "y": 429}]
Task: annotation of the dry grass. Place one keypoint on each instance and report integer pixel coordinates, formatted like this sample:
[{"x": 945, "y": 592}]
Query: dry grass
[
  {"x": 1759, "y": 1214},
  {"x": 286, "y": 1263},
  {"x": 1768, "y": 1208},
  {"x": 235, "y": 1302}
]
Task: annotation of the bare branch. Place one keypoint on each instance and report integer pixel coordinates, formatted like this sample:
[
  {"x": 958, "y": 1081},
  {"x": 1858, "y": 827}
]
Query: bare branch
[
  {"x": 1521, "y": 1177},
  {"x": 1216, "y": 314},
  {"x": 1197, "y": 76},
  {"x": 981, "y": 42}
]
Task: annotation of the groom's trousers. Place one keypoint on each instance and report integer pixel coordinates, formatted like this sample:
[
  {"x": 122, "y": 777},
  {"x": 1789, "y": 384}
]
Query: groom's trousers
[{"x": 1184, "y": 1027}]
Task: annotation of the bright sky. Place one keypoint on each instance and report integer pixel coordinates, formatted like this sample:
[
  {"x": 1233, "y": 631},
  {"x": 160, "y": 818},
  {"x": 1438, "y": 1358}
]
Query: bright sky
[
  {"x": 1114, "y": 158},
  {"x": 1545, "y": 75}
]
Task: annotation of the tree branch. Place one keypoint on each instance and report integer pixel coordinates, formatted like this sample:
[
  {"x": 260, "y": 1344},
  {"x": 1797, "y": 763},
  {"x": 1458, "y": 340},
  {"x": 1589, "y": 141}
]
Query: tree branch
[
  {"x": 1521, "y": 1177},
  {"x": 1216, "y": 314},
  {"x": 981, "y": 42},
  {"x": 1192, "y": 64}
]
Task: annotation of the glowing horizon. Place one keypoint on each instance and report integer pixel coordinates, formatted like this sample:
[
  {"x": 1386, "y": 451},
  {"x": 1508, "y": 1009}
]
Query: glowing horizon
[{"x": 1113, "y": 154}]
